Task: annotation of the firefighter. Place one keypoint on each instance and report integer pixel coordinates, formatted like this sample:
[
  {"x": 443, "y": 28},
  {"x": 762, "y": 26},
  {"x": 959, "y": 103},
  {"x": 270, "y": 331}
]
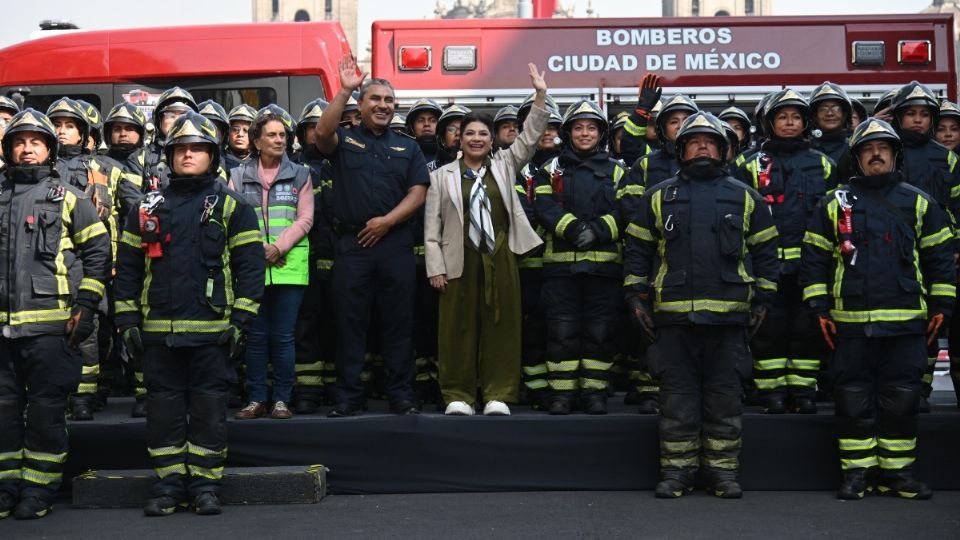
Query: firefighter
[
  {"x": 193, "y": 239},
  {"x": 99, "y": 180},
  {"x": 882, "y": 108},
  {"x": 316, "y": 333},
  {"x": 617, "y": 125},
  {"x": 948, "y": 125},
  {"x": 448, "y": 136},
  {"x": 238, "y": 141},
  {"x": 878, "y": 270},
  {"x": 661, "y": 164},
  {"x": 791, "y": 177},
  {"x": 859, "y": 113},
  {"x": 50, "y": 234},
  {"x": 215, "y": 112},
  {"x": 421, "y": 124},
  {"x": 506, "y": 127},
  {"x": 399, "y": 124},
  {"x": 833, "y": 116},
  {"x": 8, "y": 108},
  {"x": 576, "y": 203},
  {"x": 740, "y": 123},
  {"x": 927, "y": 165},
  {"x": 350, "y": 118},
  {"x": 535, "y": 389},
  {"x": 94, "y": 139},
  {"x": 172, "y": 104},
  {"x": 701, "y": 267},
  {"x": 124, "y": 129}
]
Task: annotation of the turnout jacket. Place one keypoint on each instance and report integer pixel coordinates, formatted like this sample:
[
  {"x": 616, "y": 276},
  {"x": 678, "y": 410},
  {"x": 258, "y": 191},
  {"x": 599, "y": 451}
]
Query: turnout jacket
[
  {"x": 932, "y": 167},
  {"x": 54, "y": 252},
  {"x": 702, "y": 250},
  {"x": 322, "y": 235},
  {"x": 903, "y": 267},
  {"x": 572, "y": 189},
  {"x": 211, "y": 272},
  {"x": 527, "y": 188}
]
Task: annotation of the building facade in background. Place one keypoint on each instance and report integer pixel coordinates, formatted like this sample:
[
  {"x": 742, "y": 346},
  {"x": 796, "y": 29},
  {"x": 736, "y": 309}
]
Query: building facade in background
[{"x": 715, "y": 8}]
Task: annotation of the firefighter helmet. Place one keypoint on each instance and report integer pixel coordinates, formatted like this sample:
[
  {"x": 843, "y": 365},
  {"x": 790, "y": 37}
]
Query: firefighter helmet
[
  {"x": 451, "y": 113},
  {"x": 68, "y": 108},
  {"x": 831, "y": 91},
  {"x": 706, "y": 123},
  {"x": 678, "y": 103},
  {"x": 125, "y": 113},
  {"x": 738, "y": 114},
  {"x": 174, "y": 95},
  {"x": 915, "y": 94},
  {"x": 419, "y": 107},
  {"x": 524, "y": 109},
  {"x": 787, "y": 97},
  {"x": 218, "y": 115},
  {"x": 310, "y": 114},
  {"x": 585, "y": 109},
  {"x": 242, "y": 113},
  {"x": 30, "y": 120},
  {"x": 874, "y": 129},
  {"x": 94, "y": 120},
  {"x": 7, "y": 104},
  {"x": 194, "y": 128}
]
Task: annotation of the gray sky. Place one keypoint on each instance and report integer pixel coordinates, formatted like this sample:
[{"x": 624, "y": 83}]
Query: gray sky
[{"x": 22, "y": 16}]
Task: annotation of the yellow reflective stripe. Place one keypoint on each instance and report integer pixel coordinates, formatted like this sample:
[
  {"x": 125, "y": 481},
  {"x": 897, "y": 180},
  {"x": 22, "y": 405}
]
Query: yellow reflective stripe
[
  {"x": 684, "y": 306},
  {"x": 789, "y": 253},
  {"x": 612, "y": 225},
  {"x": 563, "y": 223},
  {"x": 771, "y": 384},
  {"x": 679, "y": 447},
  {"x": 943, "y": 289},
  {"x": 324, "y": 264},
  {"x": 936, "y": 238},
  {"x": 536, "y": 384},
  {"x": 16, "y": 454},
  {"x": 44, "y": 456},
  {"x": 816, "y": 289},
  {"x": 167, "y": 451},
  {"x": 519, "y": 189},
  {"x": 631, "y": 280},
  {"x": 215, "y": 473},
  {"x": 592, "y": 384},
  {"x": 811, "y": 364},
  {"x": 126, "y": 306},
  {"x": 93, "y": 285},
  {"x": 827, "y": 167},
  {"x": 897, "y": 445},
  {"x": 419, "y": 250},
  {"x": 816, "y": 240},
  {"x": 38, "y": 316},
  {"x": 722, "y": 445},
  {"x": 725, "y": 463},
  {"x": 203, "y": 451},
  {"x": 631, "y": 190},
  {"x": 896, "y": 462},
  {"x": 243, "y": 238},
  {"x": 669, "y": 462},
  {"x": 40, "y": 477},
  {"x": 90, "y": 370},
  {"x": 539, "y": 369},
  {"x": 766, "y": 285},
  {"x": 11, "y": 474},
  {"x": 770, "y": 363},
  {"x": 91, "y": 231},
  {"x": 767, "y": 234},
  {"x": 859, "y": 463},
  {"x": 159, "y": 325},
  {"x": 633, "y": 129},
  {"x": 246, "y": 304},
  {"x": 951, "y": 160},
  {"x": 163, "y": 472},
  {"x": 639, "y": 232},
  {"x": 855, "y": 445},
  {"x": 877, "y": 315},
  {"x": 542, "y": 190},
  {"x": 565, "y": 384},
  {"x": 578, "y": 256},
  {"x": 797, "y": 380},
  {"x": 130, "y": 239},
  {"x": 600, "y": 365},
  {"x": 566, "y": 365}
]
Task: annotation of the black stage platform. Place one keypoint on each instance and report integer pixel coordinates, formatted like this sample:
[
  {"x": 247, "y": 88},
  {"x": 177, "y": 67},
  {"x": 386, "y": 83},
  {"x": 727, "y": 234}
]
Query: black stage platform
[{"x": 529, "y": 451}]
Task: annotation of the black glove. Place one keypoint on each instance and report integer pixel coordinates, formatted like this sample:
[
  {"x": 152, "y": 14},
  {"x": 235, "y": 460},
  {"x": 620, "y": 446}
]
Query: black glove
[
  {"x": 640, "y": 314},
  {"x": 757, "y": 315},
  {"x": 586, "y": 237},
  {"x": 79, "y": 325},
  {"x": 650, "y": 92},
  {"x": 133, "y": 342},
  {"x": 236, "y": 339}
]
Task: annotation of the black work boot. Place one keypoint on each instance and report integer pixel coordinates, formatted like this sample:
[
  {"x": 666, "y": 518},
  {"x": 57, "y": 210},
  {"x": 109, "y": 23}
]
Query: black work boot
[
  {"x": 803, "y": 405},
  {"x": 163, "y": 505},
  {"x": 902, "y": 484},
  {"x": 306, "y": 406},
  {"x": 560, "y": 406},
  {"x": 723, "y": 483},
  {"x": 595, "y": 404},
  {"x": 7, "y": 504},
  {"x": 774, "y": 404},
  {"x": 649, "y": 403},
  {"x": 207, "y": 504},
  {"x": 31, "y": 508},
  {"x": 139, "y": 408},
  {"x": 632, "y": 398},
  {"x": 81, "y": 408},
  {"x": 856, "y": 483}
]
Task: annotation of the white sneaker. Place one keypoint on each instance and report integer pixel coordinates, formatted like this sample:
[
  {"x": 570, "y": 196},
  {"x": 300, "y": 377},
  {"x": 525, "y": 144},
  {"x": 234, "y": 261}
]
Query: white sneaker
[
  {"x": 459, "y": 408},
  {"x": 496, "y": 408}
]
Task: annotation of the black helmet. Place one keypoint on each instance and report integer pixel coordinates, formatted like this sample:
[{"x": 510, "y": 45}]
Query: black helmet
[
  {"x": 618, "y": 121},
  {"x": 915, "y": 94},
  {"x": 216, "y": 114},
  {"x": 353, "y": 102},
  {"x": 399, "y": 123},
  {"x": 7, "y": 104},
  {"x": 585, "y": 109},
  {"x": 758, "y": 114},
  {"x": 193, "y": 128},
  {"x": 505, "y": 114},
  {"x": 175, "y": 95},
  {"x": 242, "y": 113},
  {"x": 828, "y": 91},
  {"x": 885, "y": 100},
  {"x": 125, "y": 113},
  {"x": 733, "y": 140},
  {"x": 285, "y": 119},
  {"x": 949, "y": 109},
  {"x": 873, "y": 129},
  {"x": 787, "y": 97},
  {"x": 678, "y": 103},
  {"x": 94, "y": 120},
  {"x": 68, "y": 108},
  {"x": 451, "y": 113},
  {"x": 703, "y": 122},
  {"x": 858, "y": 108},
  {"x": 421, "y": 106},
  {"x": 30, "y": 120},
  {"x": 310, "y": 114},
  {"x": 736, "y": 113},
  {"x": 524, "y": 108}
]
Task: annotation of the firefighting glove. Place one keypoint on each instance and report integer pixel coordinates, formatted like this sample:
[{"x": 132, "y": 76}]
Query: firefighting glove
[
  {"x": 235, "y": 339},
  {"x": 650, "y": 93},
  {"x": 133, "y": 342},
  {"x": 80, "y": 325},
  {"x": 757, "y": 315},
  {"x": 933, "y": 327},
  {"x": 586, "y": 237},
  {"x": 640, "y": 314},
  {"x": 827, "y": 328}
]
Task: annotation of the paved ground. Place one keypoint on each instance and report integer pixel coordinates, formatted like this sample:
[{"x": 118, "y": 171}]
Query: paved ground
[{"x": 603, "y": 515}]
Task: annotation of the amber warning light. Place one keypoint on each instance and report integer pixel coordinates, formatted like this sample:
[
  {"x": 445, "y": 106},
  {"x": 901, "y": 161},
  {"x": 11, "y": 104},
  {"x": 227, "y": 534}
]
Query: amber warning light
[
  {"x": 415, "y": 58},
  {"x": 914, "y": 52}
]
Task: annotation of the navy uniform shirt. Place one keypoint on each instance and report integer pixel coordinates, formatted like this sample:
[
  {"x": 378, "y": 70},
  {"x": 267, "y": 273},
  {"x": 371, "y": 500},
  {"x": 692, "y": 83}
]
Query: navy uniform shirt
[{"x": 372, "y": 174}]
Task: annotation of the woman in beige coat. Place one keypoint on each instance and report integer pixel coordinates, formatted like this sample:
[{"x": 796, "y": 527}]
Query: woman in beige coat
[{"x": 474, "y": 229}]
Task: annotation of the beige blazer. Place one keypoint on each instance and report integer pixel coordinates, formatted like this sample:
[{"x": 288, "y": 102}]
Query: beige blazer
[{"x": 444, "y": 212}]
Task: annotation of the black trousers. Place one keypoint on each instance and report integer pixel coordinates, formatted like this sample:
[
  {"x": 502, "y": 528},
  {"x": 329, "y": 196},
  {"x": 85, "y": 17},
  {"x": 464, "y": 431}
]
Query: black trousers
[
  {"x": 36, "y": 375},
  {"x": 534, "y": 332},
  {"x": 876, "y": 384},
  {"x": 426, "y": 320},
  {"x": 375, "y": 282},
  {"x": 310, "y": 348},
  {"x": 187, "y": 416},
  {"x": 699, "y": 368}
]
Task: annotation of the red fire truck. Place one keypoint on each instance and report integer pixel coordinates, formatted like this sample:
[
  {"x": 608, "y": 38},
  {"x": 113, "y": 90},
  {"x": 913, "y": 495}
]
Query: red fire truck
[
  {"x": 284, "y": 63},
  {"x": 719, "y": 61}
]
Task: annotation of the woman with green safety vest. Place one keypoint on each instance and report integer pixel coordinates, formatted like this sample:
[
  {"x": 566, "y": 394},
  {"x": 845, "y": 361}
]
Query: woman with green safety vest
[{"x": 281, "y": 193}]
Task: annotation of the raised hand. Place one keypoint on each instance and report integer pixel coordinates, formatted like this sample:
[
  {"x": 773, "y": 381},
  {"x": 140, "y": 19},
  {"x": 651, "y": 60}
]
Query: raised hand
[
  {"x": 350, "y": 76},
  {"x": 649, "y": 92},
  {"x": 536, "y": 78}
]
